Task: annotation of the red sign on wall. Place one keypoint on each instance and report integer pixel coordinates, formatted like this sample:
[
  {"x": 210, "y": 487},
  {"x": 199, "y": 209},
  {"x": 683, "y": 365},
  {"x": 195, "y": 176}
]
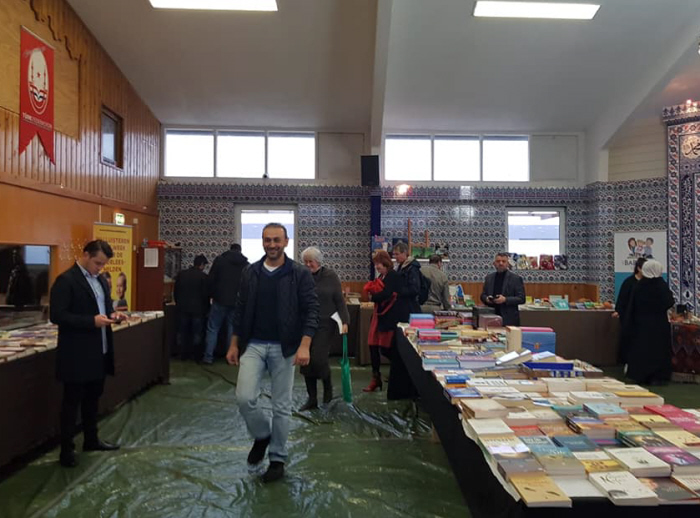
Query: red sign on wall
[{"x": 36, "y": 80}]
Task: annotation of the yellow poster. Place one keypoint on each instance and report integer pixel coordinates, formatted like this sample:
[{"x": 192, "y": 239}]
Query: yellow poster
[{"x": 118, "y": 273}]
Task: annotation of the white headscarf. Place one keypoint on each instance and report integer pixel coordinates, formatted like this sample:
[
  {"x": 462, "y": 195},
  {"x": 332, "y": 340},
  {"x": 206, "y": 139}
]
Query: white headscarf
[{"x": 652, "y": 269}]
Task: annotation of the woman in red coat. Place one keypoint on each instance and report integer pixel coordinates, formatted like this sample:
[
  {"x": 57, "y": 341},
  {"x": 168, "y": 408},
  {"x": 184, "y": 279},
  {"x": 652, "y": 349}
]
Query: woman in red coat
[{"x": 383, "y": 291}]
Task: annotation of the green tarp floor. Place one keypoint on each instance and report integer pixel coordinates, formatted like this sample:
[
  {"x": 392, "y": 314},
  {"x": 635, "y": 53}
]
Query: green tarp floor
[{"x": 184, "y": 449}]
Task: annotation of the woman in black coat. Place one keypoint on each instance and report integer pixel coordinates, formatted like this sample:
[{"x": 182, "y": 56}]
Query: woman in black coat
[
  {"x": 647, "y": 326},
  {"x": 622, "y": 306}
]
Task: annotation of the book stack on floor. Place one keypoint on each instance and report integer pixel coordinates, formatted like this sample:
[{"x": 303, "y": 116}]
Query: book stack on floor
[{"x": 562, "y": 436}]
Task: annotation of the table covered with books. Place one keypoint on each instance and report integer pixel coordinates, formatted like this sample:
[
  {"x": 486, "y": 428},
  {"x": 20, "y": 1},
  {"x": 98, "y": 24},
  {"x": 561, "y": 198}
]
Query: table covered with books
[
  {"x": 524, "y": 431},
  {"x": 32, "y": 396}
]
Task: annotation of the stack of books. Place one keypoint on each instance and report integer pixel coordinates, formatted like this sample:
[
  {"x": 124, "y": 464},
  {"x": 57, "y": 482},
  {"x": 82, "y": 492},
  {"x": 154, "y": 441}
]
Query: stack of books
[
  {"x": 640, "y": 462},
  {"x": 623, "y": 488}
]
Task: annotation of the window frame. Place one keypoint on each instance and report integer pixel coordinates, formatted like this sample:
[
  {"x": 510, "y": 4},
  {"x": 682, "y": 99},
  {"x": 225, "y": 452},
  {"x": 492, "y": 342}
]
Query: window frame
[
  {"x": 118, "y": 163},
  {"x": 457, "y": 136},
  {"x": 562, "y": 223},
  {"x": 239, "y": 208},
  {"x": 216, "y": 131}
]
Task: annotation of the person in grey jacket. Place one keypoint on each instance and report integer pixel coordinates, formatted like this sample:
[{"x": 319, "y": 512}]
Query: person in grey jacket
[
  {"x": 504, "y": 291},
  {"x": 439, "y": 295},
  {"x": 331, "y": 300},
  {"x": 274, "y": 320}
]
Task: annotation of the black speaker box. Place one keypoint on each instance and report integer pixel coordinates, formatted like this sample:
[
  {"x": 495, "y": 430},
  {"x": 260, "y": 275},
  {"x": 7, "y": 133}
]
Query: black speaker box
[{"x": 370, "y": 170}]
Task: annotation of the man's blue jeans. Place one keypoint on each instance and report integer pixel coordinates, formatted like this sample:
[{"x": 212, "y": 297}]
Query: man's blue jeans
[
  {"x": 218, "y": 316},
  {"x": 258, "y": 358}
]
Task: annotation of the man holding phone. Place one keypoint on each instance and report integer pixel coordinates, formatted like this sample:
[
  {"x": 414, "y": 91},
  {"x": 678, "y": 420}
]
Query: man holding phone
[
  {"x": 81, "y": 306},
  {"x": 504, "y": 291}
]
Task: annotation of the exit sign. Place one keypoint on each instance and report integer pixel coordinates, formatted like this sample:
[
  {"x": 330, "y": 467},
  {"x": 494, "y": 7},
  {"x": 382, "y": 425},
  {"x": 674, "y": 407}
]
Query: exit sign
[{"x": 119, "y": 218}]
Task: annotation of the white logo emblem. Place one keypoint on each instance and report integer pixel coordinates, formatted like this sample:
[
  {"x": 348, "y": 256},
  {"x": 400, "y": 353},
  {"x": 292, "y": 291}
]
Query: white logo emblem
[{"x": 38, "y": 81}]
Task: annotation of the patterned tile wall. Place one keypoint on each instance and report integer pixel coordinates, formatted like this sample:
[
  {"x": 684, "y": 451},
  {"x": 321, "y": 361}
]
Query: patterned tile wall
[
  {"x": 621, "y": 207},
  {"x": 470, "y": 219}
]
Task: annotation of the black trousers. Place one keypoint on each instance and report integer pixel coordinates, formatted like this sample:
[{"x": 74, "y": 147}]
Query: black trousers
[
  {"x": 84, "y": 397},
  {"x": 189, "y": 335}
]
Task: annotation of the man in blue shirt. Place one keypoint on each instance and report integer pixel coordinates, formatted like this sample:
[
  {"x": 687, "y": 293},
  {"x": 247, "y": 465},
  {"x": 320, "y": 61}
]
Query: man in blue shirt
[{"x": 81, "y": 306}]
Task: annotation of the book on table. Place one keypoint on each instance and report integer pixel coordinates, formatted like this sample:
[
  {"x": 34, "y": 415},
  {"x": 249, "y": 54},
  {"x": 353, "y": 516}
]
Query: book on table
[
  {"x": 558, "y": 461},
  {"x": 669, "y": 492},
  {"x": 597, "y": 461},
  {"x": 539, "y": 490},
  {"x": 690, "y": 482},
  {"x": 575, "y": 442},
  {"x": 640, "y": 462},
  {"x": 643, "y": 439},
  {"x": 481, "y": 427},
  {"x": 681, "y": 462},
  {"x": 623, "y": 488}
]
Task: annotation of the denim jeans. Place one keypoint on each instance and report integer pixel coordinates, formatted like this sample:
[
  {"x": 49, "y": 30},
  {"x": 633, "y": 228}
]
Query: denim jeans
[
  {"x": 258, "y": 358},
  {"x": 218, "y": 316}
]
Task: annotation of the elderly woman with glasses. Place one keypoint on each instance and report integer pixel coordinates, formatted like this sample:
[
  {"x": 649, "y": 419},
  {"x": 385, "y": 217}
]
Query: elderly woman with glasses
[{"x": 330, "y": 297}]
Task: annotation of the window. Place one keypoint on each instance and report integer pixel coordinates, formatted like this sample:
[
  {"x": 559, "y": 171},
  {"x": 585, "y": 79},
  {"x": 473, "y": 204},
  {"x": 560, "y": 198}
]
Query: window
[
  {"x": 111, "y": 152},
  {"x": 457, "y": 159},
  {"x": 533, "y": 232},
  {"x": 407, "y": 157},
  {"x": 189, "y": 153},
  {"x": 291, "y": 155},
  {"x": 446, "y": 158},
  {"x": 250, "y": 224},
  {"x": 240, "y": 154},
  {"x": 506, "y": 159}
]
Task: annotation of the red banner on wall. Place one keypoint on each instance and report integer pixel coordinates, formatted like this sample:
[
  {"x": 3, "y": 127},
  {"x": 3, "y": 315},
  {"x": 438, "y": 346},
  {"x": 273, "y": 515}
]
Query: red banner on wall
[{"x": 36, "y": 80}]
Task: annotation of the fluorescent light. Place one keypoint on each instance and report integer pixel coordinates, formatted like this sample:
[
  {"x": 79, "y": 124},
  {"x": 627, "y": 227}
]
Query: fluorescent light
[
  {"x": 217, "y": 5},
  {"x": 557, "y": 11}
]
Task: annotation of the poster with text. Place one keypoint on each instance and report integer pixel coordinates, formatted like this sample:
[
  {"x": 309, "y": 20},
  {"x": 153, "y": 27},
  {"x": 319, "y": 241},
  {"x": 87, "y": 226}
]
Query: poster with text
[
  {"x": 630, "y": 246},
  {"x": 118, "y": 272},
  {"x": 36, "y": 99}
]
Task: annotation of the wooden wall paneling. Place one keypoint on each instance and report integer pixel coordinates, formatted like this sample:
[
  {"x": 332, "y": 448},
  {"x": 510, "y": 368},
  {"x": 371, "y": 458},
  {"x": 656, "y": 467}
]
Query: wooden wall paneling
[{"x": 86, "y": 78}]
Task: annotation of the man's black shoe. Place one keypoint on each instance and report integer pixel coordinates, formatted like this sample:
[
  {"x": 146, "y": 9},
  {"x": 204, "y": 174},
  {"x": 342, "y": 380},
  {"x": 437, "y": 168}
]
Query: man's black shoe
[
  {"x": 100, "y": 446},
  {"x": 68, "y": 460},
  {"x": 274, "y": 472},
  {"x": 257, "y": 452}
]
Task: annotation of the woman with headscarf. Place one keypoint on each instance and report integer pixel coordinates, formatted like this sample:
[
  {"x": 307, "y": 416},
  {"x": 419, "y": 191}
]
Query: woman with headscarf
[
  {"x": 331, "y": 300},
  {"x": 649, "y": 351}
]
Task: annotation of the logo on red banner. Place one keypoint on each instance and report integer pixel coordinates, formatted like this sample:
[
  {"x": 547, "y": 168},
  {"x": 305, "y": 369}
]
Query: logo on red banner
[{"x": 36, "y": 80}]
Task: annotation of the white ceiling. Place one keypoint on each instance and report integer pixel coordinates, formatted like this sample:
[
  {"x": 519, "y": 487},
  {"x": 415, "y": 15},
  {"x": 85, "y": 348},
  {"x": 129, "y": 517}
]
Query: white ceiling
[
  {"x": 307, "y": 66},
  {"x": 312, "y": 64},
  {"x": 448, "y": 70}
]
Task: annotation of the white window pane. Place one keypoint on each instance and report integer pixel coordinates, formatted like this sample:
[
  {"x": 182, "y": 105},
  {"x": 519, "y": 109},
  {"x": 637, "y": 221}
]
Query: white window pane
[
  {"x": 535, "y": 232},
  {"x": 252, "y": 223},
  {"x": 506, "y": 160},
  {"x": 456, "y": 159},
  {"x": 109, "y": 137},
  {"x": 240, "y": 155},
  {"x": 407, "y": 158},
  {"x": 189, "y": 153},
  {"x": 291, "y": 156}
]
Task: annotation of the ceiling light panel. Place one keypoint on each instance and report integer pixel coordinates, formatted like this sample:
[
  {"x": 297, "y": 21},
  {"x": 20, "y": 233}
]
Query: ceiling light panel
[
  {"x": 217, "y": 5},
  {"x": 545, "y": 10}
]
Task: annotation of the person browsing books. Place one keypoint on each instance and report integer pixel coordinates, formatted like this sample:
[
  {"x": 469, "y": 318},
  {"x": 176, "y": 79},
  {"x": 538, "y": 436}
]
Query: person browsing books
[{"x": 504, "y": 290}]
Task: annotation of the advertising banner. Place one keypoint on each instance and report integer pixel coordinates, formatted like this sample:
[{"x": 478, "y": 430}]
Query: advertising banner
[
  {"x": 630, "y": 246},
  {"x": 36, "y": 87},
  {"x": 118, "y": 271}
]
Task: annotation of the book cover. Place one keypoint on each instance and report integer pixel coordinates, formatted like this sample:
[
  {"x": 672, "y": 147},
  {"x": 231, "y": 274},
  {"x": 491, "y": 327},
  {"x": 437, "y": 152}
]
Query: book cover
[
  {"x": 561, "y": 262},
  {"x": 679, "y": 459},
  {"x": 597, "y": 461},
  {"x": 503, "y": 444},
  {"x": 623, "y": 488},
  {"x": 546, "y": 262},
  {"x": 669, "y": 492},
  {"x": 640, "y": 462},
  {"x": 643, "y": 439},
  {"x": 537, "y": 440},
  {"x": 508, "y": 467},
  {"x": 680, "y": 438},
  {"x": 555, "y": 429},
  {"x": 487, "y": 426},
  {"x": 575, "y": 442},
  {"x": 539, "y": 491},
  {"x": 527, "y": 431},
  {"x": 601, "y": 410}
]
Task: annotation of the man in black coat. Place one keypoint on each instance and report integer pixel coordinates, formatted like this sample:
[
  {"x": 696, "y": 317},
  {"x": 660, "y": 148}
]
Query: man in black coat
[
  {"x": 81, "y": 306},
  {"x": 504, "y": 291},
  {"x": 192, "y": 299},
  {"x": 224, "y": 280}
]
